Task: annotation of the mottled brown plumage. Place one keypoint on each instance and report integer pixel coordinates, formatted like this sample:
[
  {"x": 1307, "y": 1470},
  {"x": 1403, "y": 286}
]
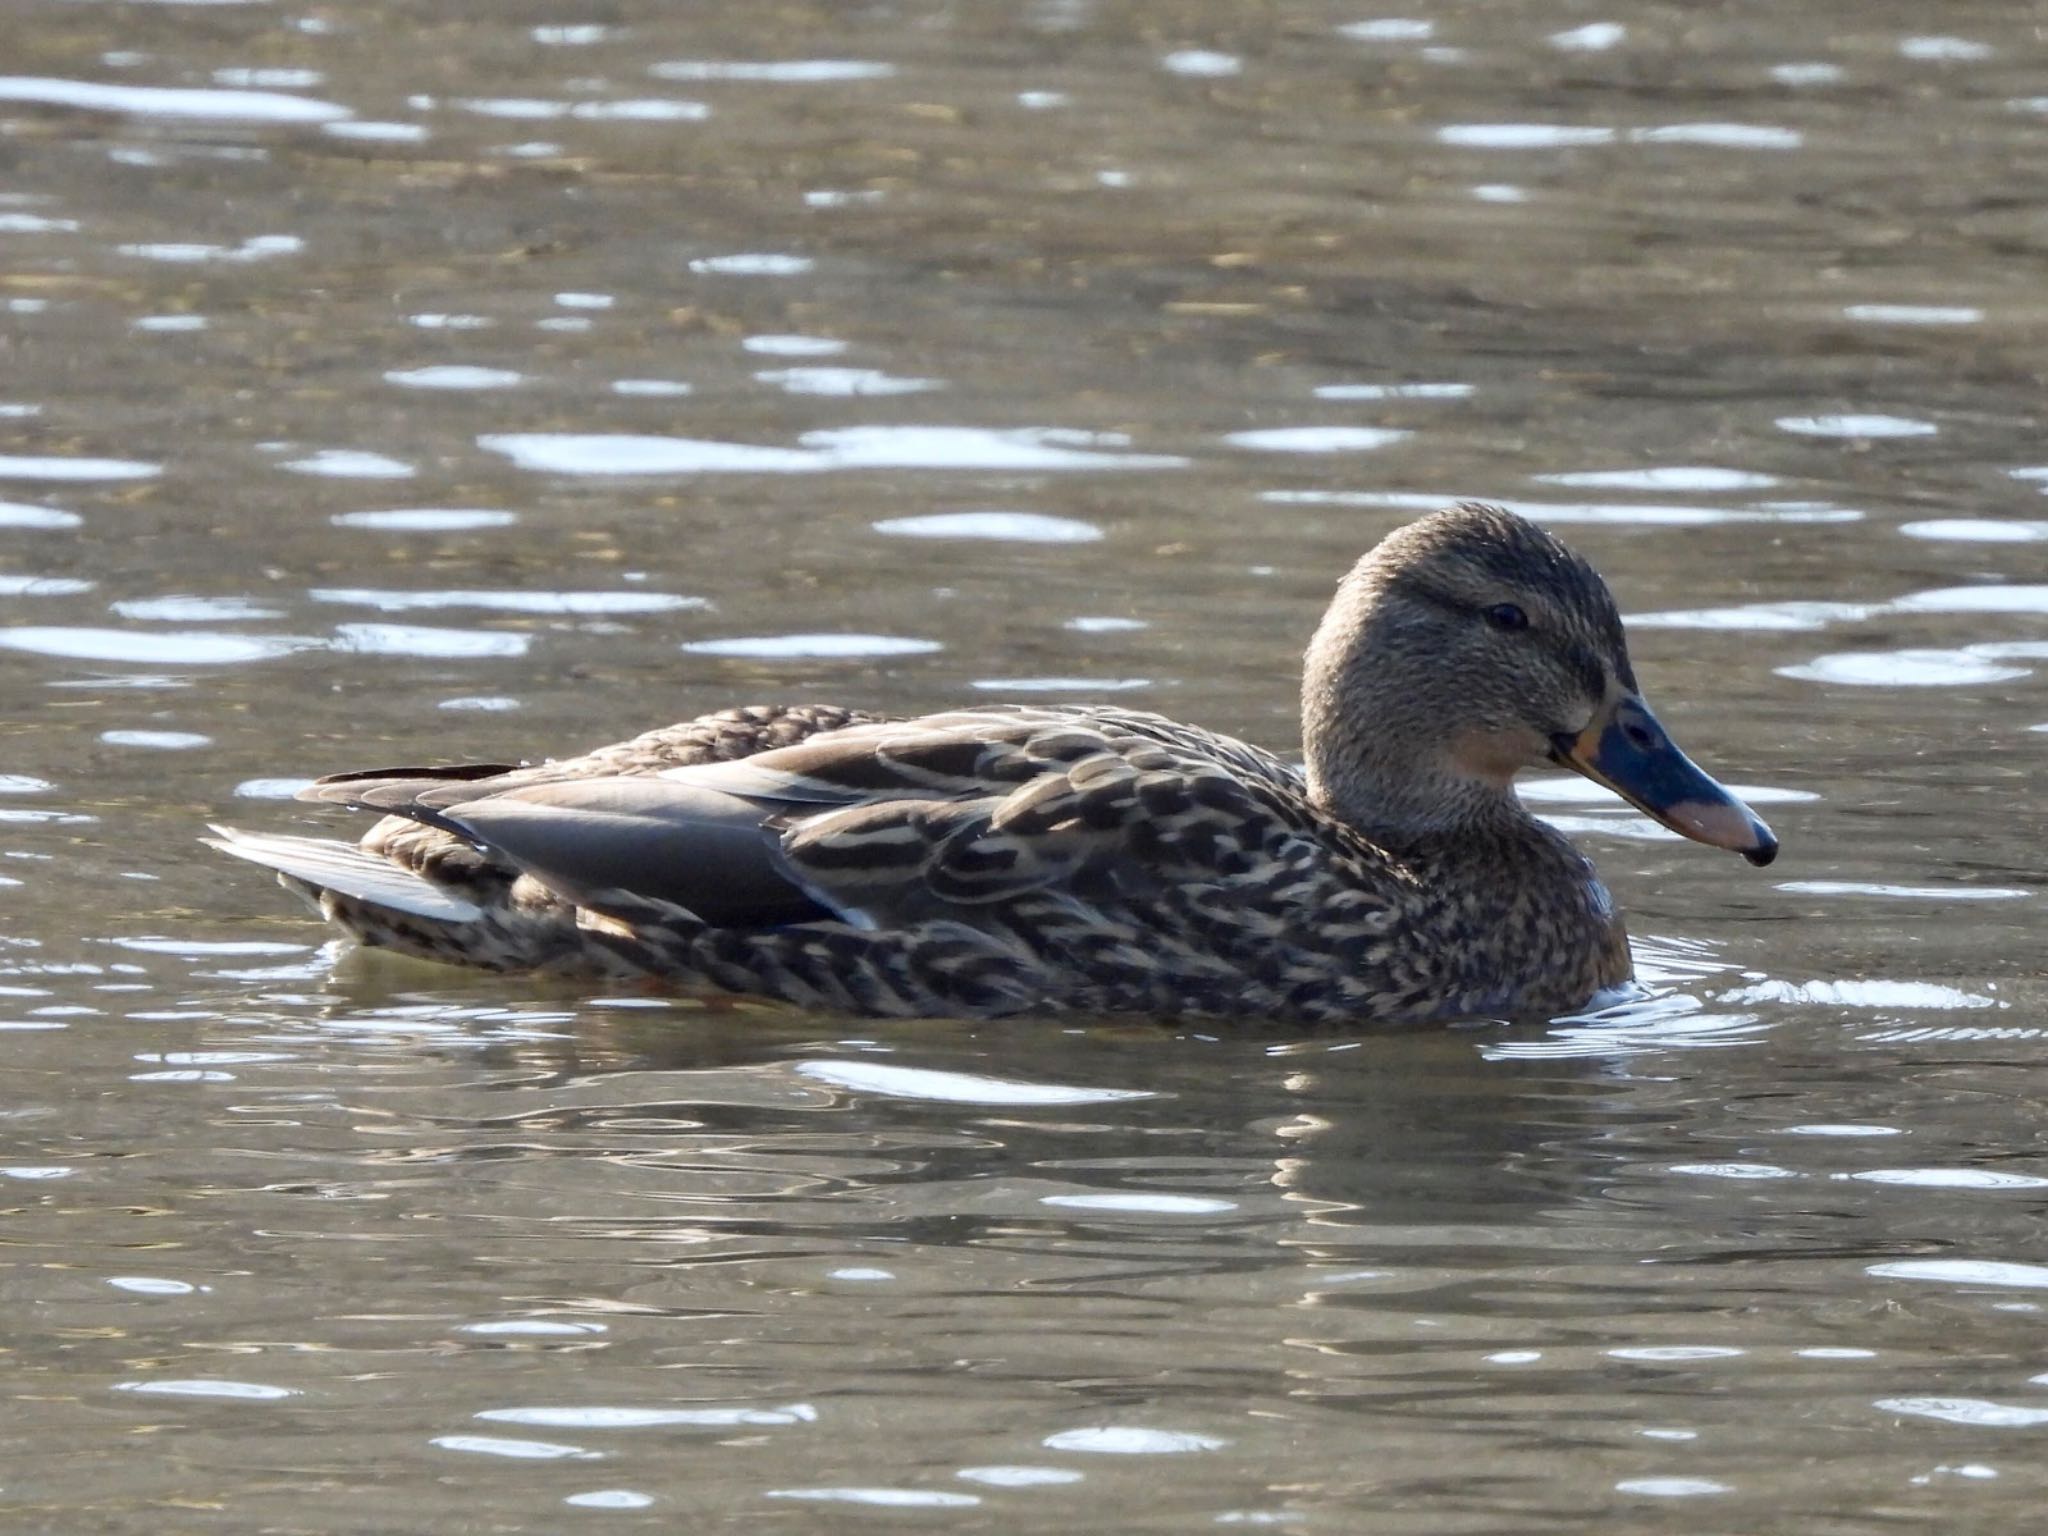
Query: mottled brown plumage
[{"x": 1081, "y": 858}]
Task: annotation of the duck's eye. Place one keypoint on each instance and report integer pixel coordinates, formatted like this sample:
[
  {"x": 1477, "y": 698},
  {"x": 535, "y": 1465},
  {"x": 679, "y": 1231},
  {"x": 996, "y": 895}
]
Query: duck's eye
[{"x": 1507, "y": 616}]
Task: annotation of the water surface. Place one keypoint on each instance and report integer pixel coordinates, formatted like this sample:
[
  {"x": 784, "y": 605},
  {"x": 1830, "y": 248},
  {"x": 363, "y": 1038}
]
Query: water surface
[{"x": 388, "y": 381}]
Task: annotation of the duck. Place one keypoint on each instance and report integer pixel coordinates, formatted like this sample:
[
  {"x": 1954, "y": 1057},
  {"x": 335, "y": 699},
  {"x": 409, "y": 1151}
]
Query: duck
[{"x": 1080, "y": 859}]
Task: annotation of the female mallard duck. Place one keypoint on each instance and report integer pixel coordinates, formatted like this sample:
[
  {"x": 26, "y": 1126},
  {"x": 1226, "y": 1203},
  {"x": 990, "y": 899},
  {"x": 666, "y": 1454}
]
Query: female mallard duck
[{"x": 1083, "y": 858}]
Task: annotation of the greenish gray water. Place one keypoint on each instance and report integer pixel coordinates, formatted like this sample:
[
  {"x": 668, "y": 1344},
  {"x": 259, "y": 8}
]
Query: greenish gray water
[{"x": 398, "y": 380}]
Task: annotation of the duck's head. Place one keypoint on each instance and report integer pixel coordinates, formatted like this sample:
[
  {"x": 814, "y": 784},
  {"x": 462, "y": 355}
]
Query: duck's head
[{"x": 1468, "y": 646}]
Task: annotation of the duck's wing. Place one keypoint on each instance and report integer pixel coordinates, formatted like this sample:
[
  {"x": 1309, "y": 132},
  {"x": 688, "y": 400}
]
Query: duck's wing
[
  {"x": 420, "y": 884},
  {"x": 892, "y": 825},
  {"x": 413, "y": 837},
  {"x": 1074, "y": 816}
]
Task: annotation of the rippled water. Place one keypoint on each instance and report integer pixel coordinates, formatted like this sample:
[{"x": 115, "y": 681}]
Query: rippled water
[{"x": 435, "y": 380}]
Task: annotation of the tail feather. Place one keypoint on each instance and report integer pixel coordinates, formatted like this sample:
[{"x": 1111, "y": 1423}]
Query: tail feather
[{"x": 346, "y": 870}]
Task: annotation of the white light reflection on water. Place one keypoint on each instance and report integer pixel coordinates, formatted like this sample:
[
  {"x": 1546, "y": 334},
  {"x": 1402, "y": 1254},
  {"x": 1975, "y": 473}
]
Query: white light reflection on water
[
  {"x": 1857, "y": 426},
  {"x": 1080, "y": 686},
  {"x": 423, "y": 640},
  {"x": 1522, "y": 136},
  {"x": 156, "y": 741},
  {"x": 1018, "y": 1477},
  {"x": 823, "y": 647},
  {"x": 787, "y": 345},
  {"x": 1202, "y": 63},
  {"x": 377, "y": 132},
  {"x": 1389, "y": 29},
  {"x": 1940, "y": 49},
  {"x": 844, "y": 382},
  {"x": 1720, "y": 135},
  {"x": 390, "y": 601},
  {"x": 610, "y": 1498},
  {"x": 1669, "y": 477},
  {"x": 1655, "y": 1023},
  {"x": 255, "y": 248},
  {"x": 1807, "y": 73},
  {"x": 33, "y": 467},
  {"x": 269, "y": 789},
  {"x": 1131, "y": 1440},
  {"x": 1594, "y": 37},
  {"x": 1758, "y": 617},
  {"x": 482, "y": 703},
  {"x": 885, "y": 1498},
  {"x": 35, "y": 224},
  {"x": 754, "y": 264},
  {"x": 2016, "y": 598},
  {"x": 241, "y": 1391},
  {"x": 186, "y": 609},
  {"x": 162, "y": 101},
  {"x": 1141, "y": 1203},
  {"x": 1861, "y": 994},
  {"x": 1914, "y": 314},
  {"x": 517, "y": 1450},
  {"x": 154, "y": 647},
  {"x": 541, "y": 109},
  {"x": 1737, "y": 1171},
  {"x": 1975, "y": 1412},
  {"x": 651, "y": 1418},
  {"x": 153, "y": 1285},
  {"x": 941, "y": 1087},
  {"x": 911, "y": 447},
  {"x": 350, "y": 464},
  {"x": 1912, "y": 668},
  {"x": 1317, "y": 439},
  {"x": 785, "y": 71},
  {"x": 1947, "y": 1178},
  {"x": 425, "y": 520},
  {"x": 1574, "y": 136},
  {"x": 1020, "y": 527},
  {"x": 1625, "y": 513},
  {"x": 453, "y": 376},
  {"x": 1671, "y": 1487},
  {"x": 1394, "y": 391},
  {"x": 1976, "y": 530},
  {"x": 22, "y": 514},
  {"x": 1905, "y": 892},
  {"x": 1998, "y": 1274}
]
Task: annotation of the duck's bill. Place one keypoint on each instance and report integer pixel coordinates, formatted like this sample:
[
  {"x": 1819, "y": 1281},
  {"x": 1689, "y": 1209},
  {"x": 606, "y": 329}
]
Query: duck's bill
[{"x": 1626, "y": 749}]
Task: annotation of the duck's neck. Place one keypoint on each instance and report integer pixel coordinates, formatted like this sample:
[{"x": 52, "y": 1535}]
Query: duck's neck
[
  {"x": 1380, "y": 759},
  {"x": 1400, "y": 799}
]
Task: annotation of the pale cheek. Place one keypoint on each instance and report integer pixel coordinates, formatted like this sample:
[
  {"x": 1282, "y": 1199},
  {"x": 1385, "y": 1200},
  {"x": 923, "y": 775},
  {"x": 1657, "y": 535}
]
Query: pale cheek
[{"x": 1494, "y": 756}]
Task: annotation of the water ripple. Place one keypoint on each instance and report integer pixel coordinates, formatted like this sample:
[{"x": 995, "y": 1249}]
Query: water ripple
[
  {"x": 933, "y": 1086},
  {"x": 909, "y": 447},
  {"x": 164, "y": 101},
  {"x": 156, "y": 647},
  {"x": 22, "y": 514},
  {"x": 390, "y": 601},
  {"x": 1021, "y": 527},
  {"x": 33, "y": 467}
]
